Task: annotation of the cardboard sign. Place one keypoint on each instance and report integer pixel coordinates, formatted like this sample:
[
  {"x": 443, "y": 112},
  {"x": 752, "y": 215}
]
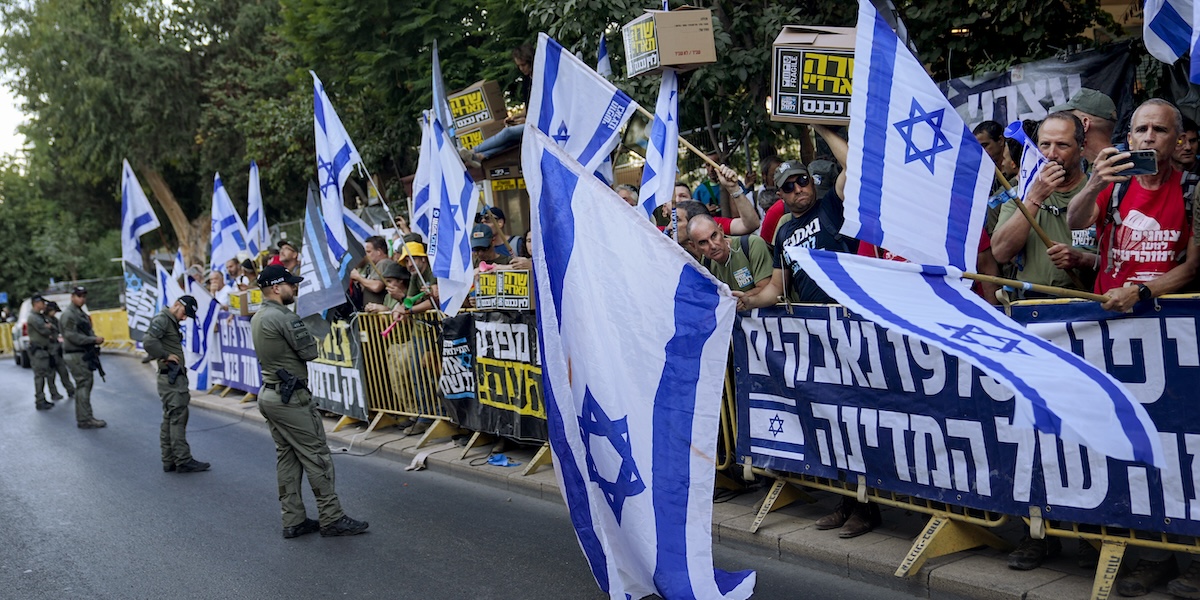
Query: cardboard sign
[
  {"x": 681, "y": 39},
  {"x": 811, "y": 75},
  {"x": 477, "y": 105},
  {"x": 503, "y": 290},
  {"x": 246, "y": 303}
]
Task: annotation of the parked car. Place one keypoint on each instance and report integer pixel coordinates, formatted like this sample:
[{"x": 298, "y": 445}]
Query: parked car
[{"x": 20, "y": 331}]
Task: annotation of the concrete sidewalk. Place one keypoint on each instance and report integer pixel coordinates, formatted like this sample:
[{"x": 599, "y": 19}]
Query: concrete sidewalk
[{"x": 788, "y": 534}]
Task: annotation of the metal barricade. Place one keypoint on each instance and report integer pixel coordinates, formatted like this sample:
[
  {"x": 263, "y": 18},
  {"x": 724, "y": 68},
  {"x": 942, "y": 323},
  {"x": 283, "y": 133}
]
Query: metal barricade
[
  {"x": 6, "y": 341},
  {"x": 403, "y": 367},
  {"x": 113, "y": 325}
]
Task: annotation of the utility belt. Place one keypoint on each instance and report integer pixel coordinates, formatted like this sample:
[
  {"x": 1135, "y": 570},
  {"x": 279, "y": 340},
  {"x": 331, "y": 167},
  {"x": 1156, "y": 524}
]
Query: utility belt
[
  {"x": 65, "y": 351},
  {"x": 275, "y": 386}
]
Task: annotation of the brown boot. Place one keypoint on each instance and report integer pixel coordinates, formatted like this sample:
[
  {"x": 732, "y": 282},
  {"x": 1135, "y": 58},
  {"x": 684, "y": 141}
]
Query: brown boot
[
  {"x": 864, "y": 518},
  {"x": 838, "y": 517}
]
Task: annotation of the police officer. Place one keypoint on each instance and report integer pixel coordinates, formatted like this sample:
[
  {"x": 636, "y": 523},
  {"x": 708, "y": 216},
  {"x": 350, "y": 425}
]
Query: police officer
[
  {"x": 283, "y": 343},
  {"x": 39, "y": 350},
  {"x": 58, "y": 366},
  {"x": 164, "y": 343},
  {"x": 78, "y": 337}
]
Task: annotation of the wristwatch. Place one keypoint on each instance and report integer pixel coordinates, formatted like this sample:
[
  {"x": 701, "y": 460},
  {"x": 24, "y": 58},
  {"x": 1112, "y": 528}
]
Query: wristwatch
[{"x": 1144, "y": 292}]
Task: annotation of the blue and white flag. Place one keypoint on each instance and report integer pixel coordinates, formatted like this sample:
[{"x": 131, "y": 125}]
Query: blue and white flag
[
  {"x": 1167, "y": 28},
  {"x": 356, "y": 227},
  {"x": 457, "y": 200},
  {"x": 322, "y": 287},
  {"x": 441, "y": 102},
  {"x": 169, "y": 288},
  {"x": 421, "y": 211},
  {"x": 137, "y": 217},
  {"x": 603, "y": 65},
  {"x": 257, "y": 235},
  {"x": 1056, "y": 391},
  {"x": 228, "y": 232},
  {"x": 917, "y": 180},
  {"x": 178, "y": 268},
  {"x": 632, "y": 411},
  {"x": 662, "y": 147},
  {"x": 575, "y": 106},
  {"x": 1194, "y": 49},
  {"x": 1032, "y": 158},
  {"x": 336, "y": 159},
  {"x": 200, "y": 343}
]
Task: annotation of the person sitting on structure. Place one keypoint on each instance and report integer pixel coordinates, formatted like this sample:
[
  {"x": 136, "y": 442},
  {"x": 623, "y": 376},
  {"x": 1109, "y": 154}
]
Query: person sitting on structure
[{"x": 510, "y": 136}]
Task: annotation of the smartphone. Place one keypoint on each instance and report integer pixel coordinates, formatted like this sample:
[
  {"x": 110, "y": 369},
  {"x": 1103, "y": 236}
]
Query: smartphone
[{"x": 1145, "y": 162}]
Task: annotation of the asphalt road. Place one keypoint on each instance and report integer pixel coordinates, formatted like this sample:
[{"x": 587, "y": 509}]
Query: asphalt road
[{"x": 90, "y": 514}]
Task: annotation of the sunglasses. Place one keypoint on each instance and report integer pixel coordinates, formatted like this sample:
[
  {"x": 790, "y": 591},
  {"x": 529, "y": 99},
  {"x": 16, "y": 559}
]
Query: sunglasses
[{"x": 790, "y": 186}]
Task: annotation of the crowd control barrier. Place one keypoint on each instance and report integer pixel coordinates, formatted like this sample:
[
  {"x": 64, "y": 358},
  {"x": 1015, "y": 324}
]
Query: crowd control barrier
[{"x": 113, "y": 325}]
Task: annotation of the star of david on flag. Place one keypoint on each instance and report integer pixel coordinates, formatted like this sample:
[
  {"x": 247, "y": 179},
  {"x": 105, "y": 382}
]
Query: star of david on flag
[
  {"x": 137, "y": 217},
  {"x": 662, "y": 146},
  {"x": 917, "y": 179},
  {"x": 336, "y": 159},
  {"x": 632, "y": 411},
  {"x": 228, "y": 232}
]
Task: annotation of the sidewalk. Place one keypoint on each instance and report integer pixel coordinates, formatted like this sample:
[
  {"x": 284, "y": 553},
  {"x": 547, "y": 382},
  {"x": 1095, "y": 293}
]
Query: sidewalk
[{"x": 787, "y": 534}]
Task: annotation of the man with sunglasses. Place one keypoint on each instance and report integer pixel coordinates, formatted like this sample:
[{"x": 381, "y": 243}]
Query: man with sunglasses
[{"x": 284, "y": 346}]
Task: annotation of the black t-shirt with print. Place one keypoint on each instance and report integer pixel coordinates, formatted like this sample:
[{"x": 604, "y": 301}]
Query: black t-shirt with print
[{"x": 816, "y": 229}]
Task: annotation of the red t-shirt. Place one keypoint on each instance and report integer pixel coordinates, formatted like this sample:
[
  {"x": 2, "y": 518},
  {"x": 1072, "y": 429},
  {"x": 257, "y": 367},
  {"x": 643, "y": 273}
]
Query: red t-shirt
[
  {"x": 1153, "y": 234},
  {"x": 770, "y": 221}
]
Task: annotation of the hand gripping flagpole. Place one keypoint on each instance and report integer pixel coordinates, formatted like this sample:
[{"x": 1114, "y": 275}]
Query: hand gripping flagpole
[{"x": 1041, "y": 233}]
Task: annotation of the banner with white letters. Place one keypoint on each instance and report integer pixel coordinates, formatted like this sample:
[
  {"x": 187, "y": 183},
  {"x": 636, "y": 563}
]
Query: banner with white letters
[
  {"x": 825, "y": 393},
  {"x": 336, "y": 376},
  {"x": 235, "y": 364}
]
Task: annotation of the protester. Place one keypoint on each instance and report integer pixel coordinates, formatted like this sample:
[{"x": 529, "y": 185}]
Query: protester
[
  {"x": 990, "y": 135},
  {"x": 395, "y": 279},
  {"x": 369, "y": 277},
  {"x": 743, "y": 263},
  {"x": 233, "y": 270},
  {"x": 484, "y": 251},
  {"x": 164, "y": 343},
  {"x": 767, "y": 195},
  {"x": 628, "y": 193},
  {"x": 746, "y": 222},
  {"x": 40, "y": 333},
  {"x": 708, "y": 192},
  {"x": 288, "y": 257},
  {"x": 218, "y": 290},
  {"x": 510, "y": 136},
  {"x": 1185, "y": 161},
  {"x": 58, "y": 366},
  {"x": 249, "y": 277},
  {"x": 1098, "y": 114},
  {"x": 422, "y": 288},
  {"x": 504, "y": 244},
  {"x": 78, "y": 338}
]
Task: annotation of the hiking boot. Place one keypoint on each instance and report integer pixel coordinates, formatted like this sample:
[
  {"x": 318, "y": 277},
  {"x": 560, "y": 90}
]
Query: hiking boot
[
  {"x": 168, "y": 467},
  {"x": 192, "y": 466},
  {"x": 43, "y": 405},
  {"x": 1146, "y": 576},
  {"x": 1088, "y": 555},
  {"x": 56, "y": 398},
  {"x": 92, "y": 424},
  {"x": 295, "y": 531},
  {"x": 1031, "y": 553},
  {"x": 344, "y": 526},
  {"x": 1188, "y": 584},
  {"x": 863, "y": 518},
  {"x": 838, "y": 517}
]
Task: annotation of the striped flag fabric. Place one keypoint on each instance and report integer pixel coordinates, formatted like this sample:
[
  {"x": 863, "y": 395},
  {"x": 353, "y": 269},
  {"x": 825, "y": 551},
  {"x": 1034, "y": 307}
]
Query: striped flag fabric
[
  {"x": 1057, "y": 392},
  {"x": 603, "y": 64},
  {"x": 228, "y": 232},
  {"x": 199, "y": 336},
  {"x": 1194, "y": 48},
  {"x": 632, "y": 411},
  {"x": 441, "y": 102},
  {"x": 1167, "y": 28},
  {"x": 1032, "y": 158},
  {"x": 576, "y": 107},
  {"x": 137, "y": 217},
  {"x": 421, "y": 210},
  {"x": 662, "y": 147},
  {"x": 322, "y": 287},
  {"x": 917, "y": 179},
  {"x": 257, "y": 235},
  {"x": 457, "y": 201},
  {"x": 336, "y": 159}
]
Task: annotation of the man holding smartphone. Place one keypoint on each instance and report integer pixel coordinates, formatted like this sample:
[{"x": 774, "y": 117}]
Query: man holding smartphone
[{"x": 1141, "y": 224}]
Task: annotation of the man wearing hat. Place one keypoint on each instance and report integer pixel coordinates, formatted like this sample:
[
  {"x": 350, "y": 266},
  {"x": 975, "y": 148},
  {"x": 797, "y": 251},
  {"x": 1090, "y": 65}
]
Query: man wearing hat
[
  {"x": 78, "y": 337},
  {"x": 284, "y": 346},
  {"x": 164, "y": 343},
  {"x": 58, "y": 366},
  {"x": 39, "y": 350},
  {"x": 482, "y": 249},
  {"x": 369, "y": 277},
  {"x": 422, "y": 280},
  {"x": 1098, "y": 114},
  {"x": 289, "y": 257},
  {"x": 395, "y": 280}
]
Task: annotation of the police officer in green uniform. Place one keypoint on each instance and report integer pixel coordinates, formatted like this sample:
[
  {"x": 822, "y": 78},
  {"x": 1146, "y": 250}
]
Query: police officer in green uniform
[
  {"x": 164, "y": 343},
  {"x": 284, "y": 346},
  {"x": 58, "y": 366},
  {"x": 39, "y": 350},
  {"x": 78, "y": 337}
]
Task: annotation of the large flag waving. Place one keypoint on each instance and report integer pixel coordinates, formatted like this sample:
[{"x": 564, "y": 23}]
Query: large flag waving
[
  {"x": 575, "y": 106},
  {"x": 662, "y": 148},
  {"x": 1167, "y": 28},
  {"x": 603, "y": 64},
  {"x": 457, "y": 198},
  {"x": 137, "y": 217},
  {"x": 257, "y": 235},
  {"x": 322, "y": 286},
  {"x": 421, "y": 211},
  {"x": 632, "y": 411},
  {"x": 1056, "y": 391},
  {"x": 336, "y": 158},
  {"x": 441, "y": 102},
  {"x": 228, "y": 232},
  {"x": 199, "y": 336},
  {"x": 917, "y": 180}
]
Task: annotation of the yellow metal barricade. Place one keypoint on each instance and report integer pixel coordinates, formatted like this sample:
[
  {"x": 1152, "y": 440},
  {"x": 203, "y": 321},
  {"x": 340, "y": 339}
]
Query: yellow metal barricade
[
  {"x": 6, "y": 342},
  {"x": 402, "y": 369},
  {"x": 113, "y": 325}
]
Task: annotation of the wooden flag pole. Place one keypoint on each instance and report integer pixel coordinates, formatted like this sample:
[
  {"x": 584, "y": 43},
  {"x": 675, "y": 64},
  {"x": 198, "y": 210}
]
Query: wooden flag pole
[
  {"x": 683, "y": 141},
  {"x": 1034, "y": 287},
  {"x": 1041, "y": 233}
]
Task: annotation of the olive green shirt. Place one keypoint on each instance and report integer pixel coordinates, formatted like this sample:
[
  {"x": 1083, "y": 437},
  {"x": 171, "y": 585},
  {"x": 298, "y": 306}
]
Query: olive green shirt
[
  {"x": 281, "y": 341},
  {"x": 39, "y": 330},
  {"x": 414, "y": 284},
  {"x": 163, "y": 338},
  {"x": 77, "y": 331},
  {"x": 741, "y": 272},
  {"x": 1033, "y": 264}
]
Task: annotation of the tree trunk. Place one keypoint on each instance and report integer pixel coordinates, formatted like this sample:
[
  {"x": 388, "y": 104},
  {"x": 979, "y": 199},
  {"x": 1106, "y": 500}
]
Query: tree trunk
[{"x": 192, "y": 235}]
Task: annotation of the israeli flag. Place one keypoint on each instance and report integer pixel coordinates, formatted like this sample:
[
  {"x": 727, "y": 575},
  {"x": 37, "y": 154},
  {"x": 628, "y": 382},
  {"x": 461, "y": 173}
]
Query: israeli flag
[
  {"x": 421, "y": 211},
  {"x": 178, "y": 268},
  {"x": 1032, "y": 158},
  {"x": 257, "y": 235},
  {"x": 1167, "y": 28},
  {"x": 441, "y": 102},
  {"x": 603, "y": 65},
  {"x": 169, "y": 289},
  {"x": 322, "y": 287},
  {"x": 632, "y": 411},
  {"x": 457, "y": 200},
  {"x": 1056, "y": 391},
  {"x": 200, "y": 343},
  {"x": 917, "y": 180},
  {"x": 336, "y": 158},
  {"x": 356, "y": 227},
  {"x": 1194, "y": 67},
  {"x": 137, "y": 217},
  {"x": 228, "y": 232},
  {"x": 662, "y": 148},
  {"x": 580, "y": 110}
]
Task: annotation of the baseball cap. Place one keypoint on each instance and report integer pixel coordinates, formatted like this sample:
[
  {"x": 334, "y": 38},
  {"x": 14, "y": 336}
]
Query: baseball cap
[
  {"x": 496, "y": 212},
  {"x": 275, "y": 275},
  {"x": 391, "y": 270},
  {"x": 789, "y": 169},
  {"x": 1090, "y": 101},
  {"x": 189, "y": 306},
  {"x": 283, "y": 243},
  {"x": 249, "y": 264},
  {"x": 481, "y": 236},
  {"x": 413, "y": 237},
  {"x": 36, "y": 298},
  {"x": 52, "y": 306},
  {"x": 79, "y": 291},
  {"x": 413, "y": 249}
]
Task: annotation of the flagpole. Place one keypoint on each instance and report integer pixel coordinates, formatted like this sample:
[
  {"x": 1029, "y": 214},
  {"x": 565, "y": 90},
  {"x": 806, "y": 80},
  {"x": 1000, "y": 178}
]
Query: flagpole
[
  {"x": 1034, "y": 287},
  {"x": 1033, "y": 223},
  {"x": 682, "y": 140}
]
